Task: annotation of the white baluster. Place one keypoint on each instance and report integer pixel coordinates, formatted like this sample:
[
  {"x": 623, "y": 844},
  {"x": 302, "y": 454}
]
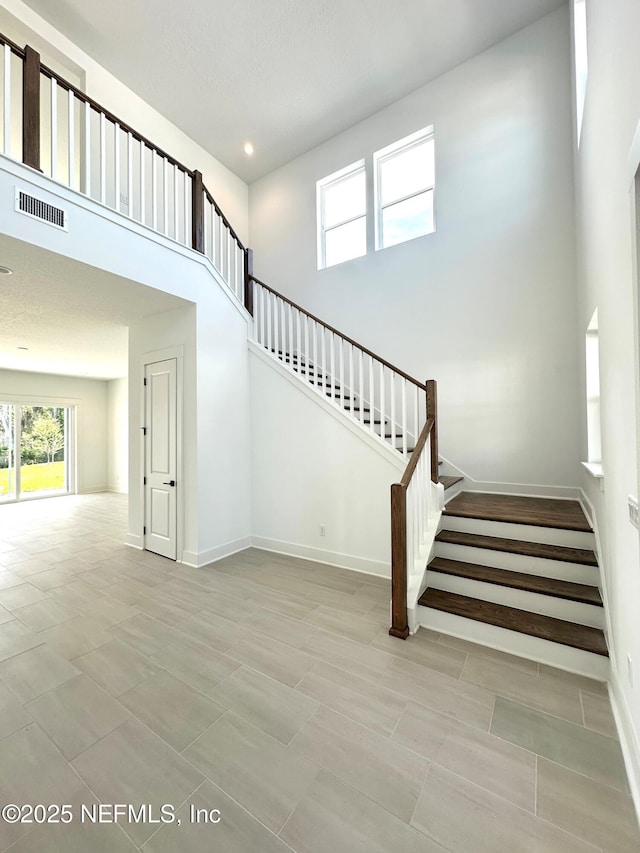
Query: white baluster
[
  {"x": 54, "y": 129},
  {"x": 71, "y": 128},
  {"x": 87, "y": 148},
  {"x": 165, "y": 195},
  {"x": 215, "y": 233},
  {"x": 116, "y": 161},
  {"x": 351, "y": 384},
  {"x": 7, "y": 100},
  {"x": 283, "y": 329},
  {"x": 176, "y": 232},
  {"x": 382, "y": 401},
  {"x": 332, "y": 378},
  {"x": 269, "y": 338},
  {"x": 103, "y": 159},
  {"x": 298, "y": 342},
  {"x": 154, "y": 189},
  {"x": 403, "y": 427},
  {"x": 143, "y": 182},
  {"x": 416, "y": 404},
  {"x": 372, "y": 396},
  {"x": 341, "y": 369},
  {"x": 323, "y": 355},
  {"x": 185, "y": 211},
  {"x": 256, "y": 312},
  {"x": 229, "y": 258},
  {"x": 220, "y": 245},
  {"x": 130, "y": 175},
  {"x": 306, "y": 346},
  {"x": 361, "y": 384},
  {"x": 314, "y": 360},
  {"x": 290, "y": 341},
  {"x": 393, "y": 408}
]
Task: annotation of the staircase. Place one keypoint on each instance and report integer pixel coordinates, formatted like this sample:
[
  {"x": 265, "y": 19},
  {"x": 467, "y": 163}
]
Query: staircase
[
  {"x": 342, "y": 396},
  {"x": 518, "y": 574}
]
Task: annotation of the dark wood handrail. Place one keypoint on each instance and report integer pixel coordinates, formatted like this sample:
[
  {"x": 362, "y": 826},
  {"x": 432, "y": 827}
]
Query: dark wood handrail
[
  {"x": 226, "y": 222},
  {"x": 19, "y": 51},
  {"x": 415, "y": 456},
  {"x": 344, "y": 337},
  {"x": 64, "y": 84}
]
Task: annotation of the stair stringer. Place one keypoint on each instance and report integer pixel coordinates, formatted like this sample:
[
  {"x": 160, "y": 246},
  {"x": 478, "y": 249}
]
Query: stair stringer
[{"x": 316, "y": 468}]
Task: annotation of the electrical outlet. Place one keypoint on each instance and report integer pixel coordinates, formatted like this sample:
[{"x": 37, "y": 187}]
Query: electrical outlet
[
  {"x": 630, "y": 670},
  {"x": 634, "y": 518},
  {"x": 323, "y": 530}
]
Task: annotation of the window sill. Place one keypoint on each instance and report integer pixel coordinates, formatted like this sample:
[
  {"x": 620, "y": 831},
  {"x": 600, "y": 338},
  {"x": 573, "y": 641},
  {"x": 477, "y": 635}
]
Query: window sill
[{"x": 595, "y": 469}]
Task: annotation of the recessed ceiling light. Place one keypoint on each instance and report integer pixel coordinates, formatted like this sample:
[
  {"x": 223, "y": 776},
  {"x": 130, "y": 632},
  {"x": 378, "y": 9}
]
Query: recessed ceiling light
[
  {"x": 248, "y": 148},
  {"x": 5, "y": 271}
]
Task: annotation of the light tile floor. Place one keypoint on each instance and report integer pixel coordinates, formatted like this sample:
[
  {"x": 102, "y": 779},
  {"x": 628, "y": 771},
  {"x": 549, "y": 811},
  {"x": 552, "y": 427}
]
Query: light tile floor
[{"x": 268, "y": 688}]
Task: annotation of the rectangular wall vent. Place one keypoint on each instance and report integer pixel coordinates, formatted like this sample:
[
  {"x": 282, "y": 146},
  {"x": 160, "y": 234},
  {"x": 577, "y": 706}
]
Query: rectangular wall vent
[{"x": 42, "y": 210}]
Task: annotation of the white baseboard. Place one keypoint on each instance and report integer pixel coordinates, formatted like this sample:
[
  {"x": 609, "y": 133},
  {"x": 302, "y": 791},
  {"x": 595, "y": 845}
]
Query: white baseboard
[
  {"x": 524, "y": 489},
  {"x": 628, "y": 737},
  {"x": 134, "y": 541},
  {"x": 202, "y": 558},
  {"x": 319, "y": 555},
  {"x": 115, "y": 491}
]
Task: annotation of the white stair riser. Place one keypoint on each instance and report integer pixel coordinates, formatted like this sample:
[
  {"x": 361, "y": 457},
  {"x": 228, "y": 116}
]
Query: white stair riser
[
  {"x": 514, "y": 643},
  {"x": 547, "y": 605},
  {"x": 522, "y": 532},
  {"x": 519, "y": 563}
]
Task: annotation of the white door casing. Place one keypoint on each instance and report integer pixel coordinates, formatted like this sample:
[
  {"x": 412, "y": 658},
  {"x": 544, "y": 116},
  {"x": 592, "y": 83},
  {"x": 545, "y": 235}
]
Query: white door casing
[{"x": 160, "y": 488}]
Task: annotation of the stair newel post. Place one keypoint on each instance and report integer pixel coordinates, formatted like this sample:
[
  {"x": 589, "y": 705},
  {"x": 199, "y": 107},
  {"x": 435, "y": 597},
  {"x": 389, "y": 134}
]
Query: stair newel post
[
  {"x": 399, "y": 625},
  {"x": 432, "y": 412},
  {"x": 248, "y": 282},
  {"x": 197, "y": 212},
  {"x": 31, "y": 108}
]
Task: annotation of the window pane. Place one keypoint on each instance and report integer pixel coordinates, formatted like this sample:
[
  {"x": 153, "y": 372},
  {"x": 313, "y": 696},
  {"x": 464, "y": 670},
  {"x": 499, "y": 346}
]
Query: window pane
[
  {"x": 407, "y": 172},
  {"x": 7, "y": 452},
  {"x": 346, "y": 242},
  {"x": 345, "y": 199},
  {"x": 407, "y": 219},
  {"x": 42, "y": 451}
]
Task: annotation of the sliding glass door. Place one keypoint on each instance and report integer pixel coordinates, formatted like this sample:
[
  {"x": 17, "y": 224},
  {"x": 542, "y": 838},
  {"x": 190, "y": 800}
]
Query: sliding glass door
[{"x": 34, "y": 451}]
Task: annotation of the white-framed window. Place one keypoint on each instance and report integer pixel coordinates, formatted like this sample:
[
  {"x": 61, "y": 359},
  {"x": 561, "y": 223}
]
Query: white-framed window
[
  {"x": 342, "y": 215},
  {"x": 404, "y": 183},
  {"x": 581, "y": 59}
]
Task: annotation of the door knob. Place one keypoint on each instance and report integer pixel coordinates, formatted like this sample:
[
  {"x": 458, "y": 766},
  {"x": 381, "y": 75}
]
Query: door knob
[{"x": 170, "y": 483}]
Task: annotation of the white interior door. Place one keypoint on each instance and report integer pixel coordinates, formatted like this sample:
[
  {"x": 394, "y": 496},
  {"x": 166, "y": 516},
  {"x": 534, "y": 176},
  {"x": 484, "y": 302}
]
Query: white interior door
[{"x": 160, "y": 458}]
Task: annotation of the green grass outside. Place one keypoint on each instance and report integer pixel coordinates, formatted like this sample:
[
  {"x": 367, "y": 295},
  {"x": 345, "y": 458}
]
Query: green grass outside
[{"x": 35, "y": 478}]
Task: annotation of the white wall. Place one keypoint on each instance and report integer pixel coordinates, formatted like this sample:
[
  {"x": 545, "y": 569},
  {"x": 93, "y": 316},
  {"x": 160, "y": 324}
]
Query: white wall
[
  {"x": 309, "y": 468},
  {"x": 90, "y": 398},
  {"x": 118, "y": 435},
  {"x": 606, "y": 282},
  {"x": 229, "y": 191},
  {"x": 487, "y": 304}
]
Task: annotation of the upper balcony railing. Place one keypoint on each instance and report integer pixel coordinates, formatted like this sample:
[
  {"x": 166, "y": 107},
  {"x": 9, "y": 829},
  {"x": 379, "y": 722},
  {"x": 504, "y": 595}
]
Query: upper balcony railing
[{"x": 51, "y": 126}]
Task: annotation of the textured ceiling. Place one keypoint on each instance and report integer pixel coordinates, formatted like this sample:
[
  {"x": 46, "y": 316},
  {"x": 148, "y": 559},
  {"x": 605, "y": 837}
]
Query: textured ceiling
[
  {"x": 285, "y": 74},
  {"x": 72, "y": 318}
]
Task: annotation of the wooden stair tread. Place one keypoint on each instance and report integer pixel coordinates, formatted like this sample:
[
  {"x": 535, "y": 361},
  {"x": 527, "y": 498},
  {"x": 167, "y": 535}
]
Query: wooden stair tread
[
  {"x": 515, "y": 509},
  {"x": 533, "y": 624},
  {"x": 518, "y": 580},
  {"x": 516, "y": 546},
  {"x": 448, "y": 481}
]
